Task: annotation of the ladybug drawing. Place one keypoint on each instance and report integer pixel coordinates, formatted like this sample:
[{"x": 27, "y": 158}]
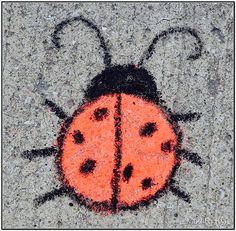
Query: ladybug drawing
[{"x": 122, "y": 147}]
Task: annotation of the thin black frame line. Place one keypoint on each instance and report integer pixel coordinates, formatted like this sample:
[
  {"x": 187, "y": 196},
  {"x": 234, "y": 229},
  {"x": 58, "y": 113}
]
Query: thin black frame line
[{"x": 111, "y": 2}]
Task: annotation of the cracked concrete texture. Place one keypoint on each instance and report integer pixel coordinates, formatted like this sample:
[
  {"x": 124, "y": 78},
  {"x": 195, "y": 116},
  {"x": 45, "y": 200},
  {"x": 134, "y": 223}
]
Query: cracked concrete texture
[{"x": 32, "y": 72}]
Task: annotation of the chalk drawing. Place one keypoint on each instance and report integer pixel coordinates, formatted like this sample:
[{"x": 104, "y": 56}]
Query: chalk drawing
[{"x": 122, "y": 147}]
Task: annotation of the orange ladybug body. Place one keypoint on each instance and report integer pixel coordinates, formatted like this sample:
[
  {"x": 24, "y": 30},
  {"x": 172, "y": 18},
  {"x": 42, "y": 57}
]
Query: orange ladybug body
[{"x": 118, "y": 149}]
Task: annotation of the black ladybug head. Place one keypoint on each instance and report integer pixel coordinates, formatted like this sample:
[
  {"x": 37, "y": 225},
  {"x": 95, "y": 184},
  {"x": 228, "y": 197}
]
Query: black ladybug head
[{"x": 123, "y": 79}]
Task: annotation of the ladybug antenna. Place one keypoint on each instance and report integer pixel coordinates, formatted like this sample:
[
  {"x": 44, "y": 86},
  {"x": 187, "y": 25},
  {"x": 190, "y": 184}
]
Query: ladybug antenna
[
  {"x": 58, "y": 29},
  {"x": 164, "y": 34}
]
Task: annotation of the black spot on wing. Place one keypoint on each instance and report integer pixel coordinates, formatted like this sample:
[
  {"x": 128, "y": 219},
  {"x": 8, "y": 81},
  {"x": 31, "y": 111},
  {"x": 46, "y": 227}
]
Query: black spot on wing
[
  {"x": 167, "y": 146},
  {"x": 147, "y": 183},
  {"x": 78, "y": 137},
  {"x": 148, "y": 129},
  {"x": 127, "y": 173},
  {"x": 88, "y": 166},
  {"x": 100, "y": 113}
]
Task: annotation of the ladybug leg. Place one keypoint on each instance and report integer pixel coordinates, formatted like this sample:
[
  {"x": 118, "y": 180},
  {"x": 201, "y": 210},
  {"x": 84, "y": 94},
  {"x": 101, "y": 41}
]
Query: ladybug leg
[
  {"x": 51, "y": 195},
  {"x": 178, "y": 192},
  {"x": 31, "y": 154},
  {"x": 190, "y": 156},
  {"x": 56, "y": 109},
  {"x": 188, "y": 117}
]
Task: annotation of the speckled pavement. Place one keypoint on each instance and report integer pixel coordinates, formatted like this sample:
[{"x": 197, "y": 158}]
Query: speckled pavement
[{"x": 31, "y": 72}]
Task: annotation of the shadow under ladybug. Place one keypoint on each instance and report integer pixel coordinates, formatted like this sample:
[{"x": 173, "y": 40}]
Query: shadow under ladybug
[{"x": 137, "y": 139}]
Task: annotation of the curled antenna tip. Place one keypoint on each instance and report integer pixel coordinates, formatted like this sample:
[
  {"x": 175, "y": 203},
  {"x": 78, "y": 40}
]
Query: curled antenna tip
[
  {"x": 198, "y": 45},
  {"x": 59, "y": 28}
]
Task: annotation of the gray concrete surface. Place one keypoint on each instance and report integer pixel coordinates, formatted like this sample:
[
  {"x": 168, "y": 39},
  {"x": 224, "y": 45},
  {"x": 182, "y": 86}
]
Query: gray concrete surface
[{"x": 31, "y": 72}]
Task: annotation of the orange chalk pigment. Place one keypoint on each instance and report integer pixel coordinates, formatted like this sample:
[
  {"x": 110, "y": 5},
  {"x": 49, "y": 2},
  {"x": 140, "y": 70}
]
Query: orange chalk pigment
[{"x": 119, "y": 149}]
